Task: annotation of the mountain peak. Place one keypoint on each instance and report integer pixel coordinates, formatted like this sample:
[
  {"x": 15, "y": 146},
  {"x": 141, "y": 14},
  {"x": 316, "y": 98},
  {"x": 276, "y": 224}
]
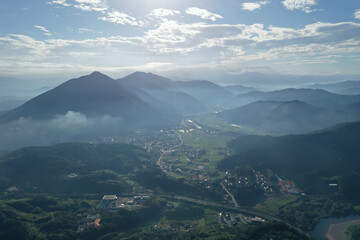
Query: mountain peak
[{"x": 98, "y": 74}]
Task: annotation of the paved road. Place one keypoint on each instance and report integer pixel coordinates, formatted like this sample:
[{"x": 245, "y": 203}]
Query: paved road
[{"x": 237, "y": 209}]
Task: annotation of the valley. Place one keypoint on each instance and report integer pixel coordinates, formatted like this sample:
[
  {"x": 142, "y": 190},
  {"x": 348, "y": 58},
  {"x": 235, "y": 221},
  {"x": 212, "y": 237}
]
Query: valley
[{"x": 154, "y": 158}]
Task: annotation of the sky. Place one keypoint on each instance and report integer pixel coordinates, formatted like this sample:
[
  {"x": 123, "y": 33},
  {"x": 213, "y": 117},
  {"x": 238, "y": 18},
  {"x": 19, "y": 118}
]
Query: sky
[{"x": 219, "y": 40}]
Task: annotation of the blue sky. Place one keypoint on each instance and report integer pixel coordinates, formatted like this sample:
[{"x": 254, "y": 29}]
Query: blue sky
[{"x": 219, "y": 40}]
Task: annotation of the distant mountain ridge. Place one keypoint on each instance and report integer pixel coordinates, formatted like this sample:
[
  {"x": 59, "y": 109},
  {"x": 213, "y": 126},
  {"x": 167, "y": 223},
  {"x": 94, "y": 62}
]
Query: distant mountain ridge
[
  {"x": 239, "y": 89},
  {"x": 281, "y": 117},
  {"x": 316, "y": 97},
  {"x": 345, "y": 87}
]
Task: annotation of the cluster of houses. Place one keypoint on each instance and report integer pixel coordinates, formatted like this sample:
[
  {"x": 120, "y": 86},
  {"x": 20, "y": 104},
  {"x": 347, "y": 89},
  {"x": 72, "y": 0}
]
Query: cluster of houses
[
  {"x": 232, "y": 219},
  {"x": 115, "y": 202}
]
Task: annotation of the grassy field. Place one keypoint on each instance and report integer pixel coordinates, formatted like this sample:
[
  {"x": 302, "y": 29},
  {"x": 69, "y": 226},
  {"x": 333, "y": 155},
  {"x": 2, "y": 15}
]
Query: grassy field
[
  {"x": 221, "y": 125},
  {"x": 272, "y": 204},
  {"x": 213, "y": 144}
]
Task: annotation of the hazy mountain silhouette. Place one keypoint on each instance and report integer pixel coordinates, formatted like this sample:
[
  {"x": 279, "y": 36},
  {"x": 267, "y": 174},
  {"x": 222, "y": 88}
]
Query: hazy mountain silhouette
[
  {"x": 203, "y": 91},
  {"x": 93, "y": 95},
  {"x": 239, "y": 89},
  {"x": 316, "y": 97},
  {"x": 283, "y": 117},
  {"x": 345, "y": 87}
]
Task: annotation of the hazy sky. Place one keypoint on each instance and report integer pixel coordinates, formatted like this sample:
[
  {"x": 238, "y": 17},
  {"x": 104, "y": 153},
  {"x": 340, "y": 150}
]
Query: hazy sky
[{"x": 187, "y": 39}]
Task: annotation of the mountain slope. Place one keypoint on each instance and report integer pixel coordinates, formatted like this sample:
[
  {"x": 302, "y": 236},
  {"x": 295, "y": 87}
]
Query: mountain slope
[
  {"x": 93, "y": 95},
  {"x": 282, "y": 117},
  {"x": 207, "y": 92},
  {"x": 165, "y": 91},
  {"x": 312, "y": 160},
  {"x": 203, "y": 91},
  {"x": 143, "y": 80}
]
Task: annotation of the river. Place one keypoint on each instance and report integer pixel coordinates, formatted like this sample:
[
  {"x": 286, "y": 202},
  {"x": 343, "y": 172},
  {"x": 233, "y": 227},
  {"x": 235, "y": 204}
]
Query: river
[{"x": 334, "y": 228}]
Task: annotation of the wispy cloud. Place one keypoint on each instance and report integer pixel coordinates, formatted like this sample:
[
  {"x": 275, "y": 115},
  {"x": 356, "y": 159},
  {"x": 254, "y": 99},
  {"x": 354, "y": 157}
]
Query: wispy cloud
[
  {"x": 162, "y": 13},
  {"x": 91, "y": 5},
  {"x": 357, "y": 14},
  {"x": 203, "y": 13},
  {"x": 121, "y": 18},
  {"x": 43, "y": 29},
  {"x": 59, "y": 2},
  {"x": 87, "y": 30},
  {"x": 303, "y": 5},
  {"x": 251, "y": 6}
]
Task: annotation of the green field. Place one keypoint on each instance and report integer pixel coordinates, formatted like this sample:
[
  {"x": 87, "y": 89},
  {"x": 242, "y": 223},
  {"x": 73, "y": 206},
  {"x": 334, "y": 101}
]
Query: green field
[
  {"x": 213, "y": 145},
  {"x": 273, "y": 204},
  {"x": 221, "y": 125}
]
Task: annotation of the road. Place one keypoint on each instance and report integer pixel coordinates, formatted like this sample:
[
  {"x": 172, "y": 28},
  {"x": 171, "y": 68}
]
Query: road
[
  {"x": 237, "y": 209},
  {"x": 232, "y": 196},
  {"x": 166, "y": 152}
]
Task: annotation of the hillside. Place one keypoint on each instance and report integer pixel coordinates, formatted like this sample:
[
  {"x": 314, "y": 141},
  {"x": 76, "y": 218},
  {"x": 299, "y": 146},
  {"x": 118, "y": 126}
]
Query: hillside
[
  {"x": 312, "y": 160},
  {"x": 284, "y": 117},
  {"x": 48, "y": 169}
]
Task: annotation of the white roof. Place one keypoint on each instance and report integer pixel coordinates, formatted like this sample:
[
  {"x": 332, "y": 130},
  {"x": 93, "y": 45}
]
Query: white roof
[{"x": 109, "y": 197}]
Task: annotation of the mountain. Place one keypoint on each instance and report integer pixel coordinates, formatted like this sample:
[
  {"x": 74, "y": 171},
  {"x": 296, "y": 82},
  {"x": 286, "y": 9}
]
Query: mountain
[
  {"x": 163, "y": 90},
  {"x": 93, "y": 95},
  {"x": 239, "y": 89},
  {"x": 312, "y": 160},
  {"x": 345, "y": 87},
  {"x": 202, "y": 91},
  {"x": 179, "y": 102},
  {"x": 207, "y": 92},
  {"x": 282, "y": 117},
  {"x": 143, "y": 80},
  {"x": 316, "y": 97}
]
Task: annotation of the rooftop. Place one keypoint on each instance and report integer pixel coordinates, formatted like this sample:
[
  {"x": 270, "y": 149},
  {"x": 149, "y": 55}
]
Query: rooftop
[{"x": 110, "y": 197}]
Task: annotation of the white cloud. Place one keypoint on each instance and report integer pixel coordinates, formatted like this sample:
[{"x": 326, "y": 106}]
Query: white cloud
[
  {"x": 203, "y": 13},
  {"x": 121, "y": 18},
  {"x": 91, "y": 5},
  {"x": 46, "y": 32},
  {"x": 59, "y": 2},
  {"x": 357, "y": 14},
  {"x": 162, "y": 13},
  {"x": 174, "y": 41},
  {"x": 251, "y": 6},
  {"x": 304, "y": 5}
]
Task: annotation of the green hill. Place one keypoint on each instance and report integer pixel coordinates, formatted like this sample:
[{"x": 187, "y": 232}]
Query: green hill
[
  {"x": 73, "y": 168},
  {"x": 312, "y": 160}
]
